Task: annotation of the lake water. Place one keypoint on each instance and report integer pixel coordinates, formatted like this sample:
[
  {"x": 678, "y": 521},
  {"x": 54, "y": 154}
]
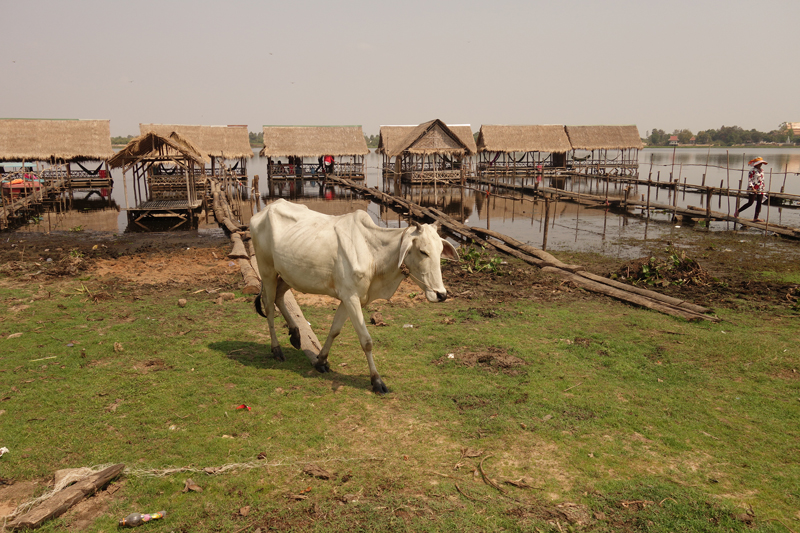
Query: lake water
[{"x": 569, "y": 226}]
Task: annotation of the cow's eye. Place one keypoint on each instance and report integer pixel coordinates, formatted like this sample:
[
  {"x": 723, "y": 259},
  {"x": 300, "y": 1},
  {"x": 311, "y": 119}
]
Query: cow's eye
[{"x": 423, "y": 252}]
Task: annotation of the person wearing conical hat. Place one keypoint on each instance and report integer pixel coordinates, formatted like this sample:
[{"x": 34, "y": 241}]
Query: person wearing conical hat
[{"x": 755, "y": 187}]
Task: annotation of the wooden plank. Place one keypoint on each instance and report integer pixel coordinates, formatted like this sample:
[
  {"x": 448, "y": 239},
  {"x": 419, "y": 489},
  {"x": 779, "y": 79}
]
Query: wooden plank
[{"x": 59, "y": 503}]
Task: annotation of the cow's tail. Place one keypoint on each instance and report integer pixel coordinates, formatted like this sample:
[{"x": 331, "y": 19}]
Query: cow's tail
[{"x": 257, "y": 302}]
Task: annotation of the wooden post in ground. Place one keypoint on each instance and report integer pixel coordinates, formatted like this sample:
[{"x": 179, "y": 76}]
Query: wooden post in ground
[
  {"x": 785, "y": 172},
  {"x": 546, "y": 221}
]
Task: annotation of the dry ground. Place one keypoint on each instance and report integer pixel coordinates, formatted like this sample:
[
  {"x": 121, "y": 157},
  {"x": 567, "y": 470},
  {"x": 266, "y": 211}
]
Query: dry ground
[{"x": 715, "y": 270}]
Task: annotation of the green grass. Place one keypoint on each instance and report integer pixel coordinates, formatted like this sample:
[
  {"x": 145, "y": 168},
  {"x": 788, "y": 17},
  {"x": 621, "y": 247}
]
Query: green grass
[{"x": 613, "y": 405}]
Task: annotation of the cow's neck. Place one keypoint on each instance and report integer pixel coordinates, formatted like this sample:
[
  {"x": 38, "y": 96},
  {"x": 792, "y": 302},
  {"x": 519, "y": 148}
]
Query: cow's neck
[{"x": 386, "y": 251}]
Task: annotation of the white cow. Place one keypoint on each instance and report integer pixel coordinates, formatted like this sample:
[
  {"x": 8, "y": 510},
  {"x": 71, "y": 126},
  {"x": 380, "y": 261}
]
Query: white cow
[{"x": 347, "y": 257}]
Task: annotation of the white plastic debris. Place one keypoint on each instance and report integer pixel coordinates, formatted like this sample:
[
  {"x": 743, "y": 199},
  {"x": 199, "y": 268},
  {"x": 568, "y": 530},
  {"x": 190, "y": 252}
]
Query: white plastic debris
[
  {"x": 3, "y": 451},
  {"x": 451, "y": 356}
]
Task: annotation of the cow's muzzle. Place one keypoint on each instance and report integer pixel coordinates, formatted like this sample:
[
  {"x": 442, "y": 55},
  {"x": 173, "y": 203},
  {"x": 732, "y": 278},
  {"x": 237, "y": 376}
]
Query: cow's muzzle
[{"x": 441, "y": 296}]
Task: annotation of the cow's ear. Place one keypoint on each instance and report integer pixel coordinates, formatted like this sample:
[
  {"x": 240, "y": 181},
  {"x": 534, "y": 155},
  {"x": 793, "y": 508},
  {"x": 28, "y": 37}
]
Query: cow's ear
[
  {"x": 405, "y": 245},
  {"x": 449, "y": 251}
]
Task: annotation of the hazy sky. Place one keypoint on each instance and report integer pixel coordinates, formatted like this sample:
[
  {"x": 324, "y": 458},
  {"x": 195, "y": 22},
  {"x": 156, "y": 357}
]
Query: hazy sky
[{"x": 694, "y": 64}]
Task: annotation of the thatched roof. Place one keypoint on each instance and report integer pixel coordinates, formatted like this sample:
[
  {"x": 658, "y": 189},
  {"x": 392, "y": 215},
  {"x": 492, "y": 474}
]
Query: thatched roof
[
  {"x": 151, "y": 145},
  {"x": 43, "y": 140},
  {"x": 432, "y": 137},
  {"x": 604, "y": 137},
  {"x": 546, "y": 138},
  {"x": 230, "y": 142},
  {"x": 313, "y": 141}
]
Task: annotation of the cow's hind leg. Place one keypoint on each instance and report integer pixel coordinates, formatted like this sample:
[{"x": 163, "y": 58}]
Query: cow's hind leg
[
  {"x": 294, "y": 331},
  {"x": 357, "y": 318},
  {"x": 267, "y": 297},
  {"x": 336, "y": 327}
]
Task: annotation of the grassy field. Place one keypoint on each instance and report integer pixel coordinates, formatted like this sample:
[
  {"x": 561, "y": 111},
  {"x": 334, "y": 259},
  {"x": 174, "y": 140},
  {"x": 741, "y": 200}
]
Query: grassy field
[{"x": 566, "y": 412}]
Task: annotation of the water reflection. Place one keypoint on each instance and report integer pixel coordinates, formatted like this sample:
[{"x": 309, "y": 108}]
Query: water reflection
[{"x": 555, "y": 224}]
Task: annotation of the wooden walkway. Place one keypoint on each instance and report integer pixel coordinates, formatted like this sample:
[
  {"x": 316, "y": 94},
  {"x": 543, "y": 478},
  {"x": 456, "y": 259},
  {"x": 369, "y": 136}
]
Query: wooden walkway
[
  {"x": 691, "y": 212},
  {"x": 16, "y": 210}
]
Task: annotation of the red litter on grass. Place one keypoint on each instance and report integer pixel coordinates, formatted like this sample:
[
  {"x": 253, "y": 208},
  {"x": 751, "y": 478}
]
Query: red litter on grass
[{"x": 243, "y": 406}]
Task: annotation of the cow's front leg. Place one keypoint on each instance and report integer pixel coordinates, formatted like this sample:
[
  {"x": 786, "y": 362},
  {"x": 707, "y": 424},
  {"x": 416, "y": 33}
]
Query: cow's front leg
[
  {"x": 338, "y": 322},
  {"x": 357, "y": 318}
]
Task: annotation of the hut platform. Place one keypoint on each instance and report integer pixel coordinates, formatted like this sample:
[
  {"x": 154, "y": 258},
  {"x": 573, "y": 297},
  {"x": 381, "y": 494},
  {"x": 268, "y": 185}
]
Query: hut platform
[{"x": 147, "y": 214}]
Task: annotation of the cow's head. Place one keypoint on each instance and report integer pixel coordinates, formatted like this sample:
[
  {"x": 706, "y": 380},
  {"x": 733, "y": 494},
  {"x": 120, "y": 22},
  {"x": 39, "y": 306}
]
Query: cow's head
[{"x": 421, "y": 249}]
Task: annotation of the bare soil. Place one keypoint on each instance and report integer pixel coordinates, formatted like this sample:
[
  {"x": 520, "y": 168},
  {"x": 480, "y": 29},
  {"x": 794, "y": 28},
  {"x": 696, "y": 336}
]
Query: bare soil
[{"x": 714, "y": 269}]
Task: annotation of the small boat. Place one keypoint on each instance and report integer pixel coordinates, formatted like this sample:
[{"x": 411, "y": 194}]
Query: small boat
[{"x": 21, "y": 187}]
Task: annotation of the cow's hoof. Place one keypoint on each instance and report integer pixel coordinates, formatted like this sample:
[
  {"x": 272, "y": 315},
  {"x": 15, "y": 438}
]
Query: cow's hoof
[
  {"x": 322, "y": 367},
  {"x": 378, "y": 387},
  {"x": 294, "y": 337},
  {"x": 277, "y": 353}
]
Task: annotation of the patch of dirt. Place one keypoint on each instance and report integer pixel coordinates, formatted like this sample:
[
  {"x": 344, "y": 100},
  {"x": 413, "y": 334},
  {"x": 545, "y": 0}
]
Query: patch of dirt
[
  {"x": 714, "y": 269},
  {"x": 152, "y": 259},
  {"x": 721, "y": 272},
  {"x": 14, "y": 494},
  {"x": 493, "y": 359},
  {"x": 85, "y": 512}
]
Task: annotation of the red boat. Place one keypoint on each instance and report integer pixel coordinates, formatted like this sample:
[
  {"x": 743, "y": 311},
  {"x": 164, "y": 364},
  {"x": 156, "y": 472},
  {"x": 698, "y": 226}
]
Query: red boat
[{"x": 20, "y": 187}]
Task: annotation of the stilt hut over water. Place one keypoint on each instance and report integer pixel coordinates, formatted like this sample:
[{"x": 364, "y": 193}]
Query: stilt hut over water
[
  {"x": 521, "y": 150},
  {"x": 68, "y": 153},
  {"x": 605, "y": 150},
  {"x": 301, "y": 151},
  {"x": 429, "y": 153},
  {"x": 160, "y": 200},
  {"x": 227, "y": 147}
]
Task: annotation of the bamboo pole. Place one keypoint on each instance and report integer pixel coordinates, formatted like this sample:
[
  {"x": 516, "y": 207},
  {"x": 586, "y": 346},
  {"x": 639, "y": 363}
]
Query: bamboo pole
[{"x": 769, "y": 189}]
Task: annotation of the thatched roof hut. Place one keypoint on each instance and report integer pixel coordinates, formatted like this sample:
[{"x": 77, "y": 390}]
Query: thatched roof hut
[
  {"x": 153, "y": 145},
  {"x": 313, "y": 141},
  {"x": 545, "y": 138},
  {"x": 48, "y": 139},
  {"x": 432, "y": 137},
  {"x": 604, "y": 137},
  {"x": 228, "y": 142}
]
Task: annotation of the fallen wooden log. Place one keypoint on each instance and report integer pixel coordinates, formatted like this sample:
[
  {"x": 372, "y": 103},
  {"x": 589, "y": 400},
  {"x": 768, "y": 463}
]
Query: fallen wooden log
[
  {"x": 309, "y": 343},
  {"x": 252, "y": 285},
  {"x": 239, "y": 251},
  {"x": 644, "y": 292},
  {"x": 61, "y": 501},
  {"x": 627, "y": 296}
]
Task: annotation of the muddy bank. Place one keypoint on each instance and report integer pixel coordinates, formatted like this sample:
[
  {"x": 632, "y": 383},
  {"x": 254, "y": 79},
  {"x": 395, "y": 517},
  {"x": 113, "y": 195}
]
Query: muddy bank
[{"x": 717, "y": 270}]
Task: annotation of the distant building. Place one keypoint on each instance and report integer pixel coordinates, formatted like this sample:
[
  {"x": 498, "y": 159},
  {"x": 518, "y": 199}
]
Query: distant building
[
  {"x": 794, "y": 127},
  {"x": 673, "y": 140},
  {"x": 693, "y": 140}
]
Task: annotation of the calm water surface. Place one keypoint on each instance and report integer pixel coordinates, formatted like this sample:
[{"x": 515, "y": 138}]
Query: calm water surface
[{"x": 569, "y": 226}]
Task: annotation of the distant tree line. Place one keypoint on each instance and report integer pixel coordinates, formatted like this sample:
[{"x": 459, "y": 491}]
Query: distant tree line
[
  {"x": 256, "y": 139},
  {"x": 372, "y": 140},
  {"x": 121, "y": 140},
  {"x": 724, "y": 136}
]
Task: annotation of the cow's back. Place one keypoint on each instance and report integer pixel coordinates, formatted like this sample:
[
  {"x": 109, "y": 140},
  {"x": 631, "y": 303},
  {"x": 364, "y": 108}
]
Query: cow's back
[{"x": 296, "y": 243}]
